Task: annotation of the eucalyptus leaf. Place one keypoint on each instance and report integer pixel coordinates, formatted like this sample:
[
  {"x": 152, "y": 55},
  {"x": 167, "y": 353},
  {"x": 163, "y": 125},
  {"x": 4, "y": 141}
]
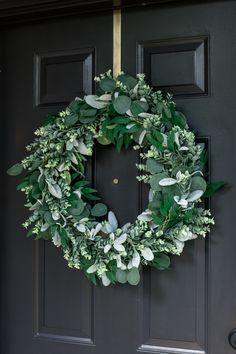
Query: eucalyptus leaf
[
  {"x": 89, "y": 112},
  {"x": 122, "y": 104},
  {"x": 121, "y": 276},
  {"x": 161, "y": 261},
  {"x": 103, "y": 140},
  {"x": 87, "y": 120},
  {"x": 71, "y": 119},
  {"x": 153, "y": 166},
  {"x": 129, "y": 81},
  {"x": 99, "y": 209},
  {"x": 198, "y": 183},
  {"x": 107, "y": 84},
  {"x": 77, "y": 207},
  {"x": 154, "y": 181},
  {"x": 138, "y": 107},
  {"x": 106, "y": 97},
  {"x": 133, "y": 276},
  {"x": 92, "y": 101}
]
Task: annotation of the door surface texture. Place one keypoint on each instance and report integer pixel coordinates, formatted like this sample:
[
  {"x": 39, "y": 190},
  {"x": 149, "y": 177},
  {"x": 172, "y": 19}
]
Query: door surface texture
[{"x": 46, "y": 308}]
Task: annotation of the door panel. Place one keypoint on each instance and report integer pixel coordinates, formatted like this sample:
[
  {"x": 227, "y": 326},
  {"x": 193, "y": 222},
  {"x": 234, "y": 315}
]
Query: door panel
[
  {"x": 47, "y": 307},
  {"x": 190, "y": 51}
]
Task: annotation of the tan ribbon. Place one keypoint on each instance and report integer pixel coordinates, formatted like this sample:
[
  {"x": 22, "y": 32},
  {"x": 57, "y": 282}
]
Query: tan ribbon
[{"x": 116, "y": 43}]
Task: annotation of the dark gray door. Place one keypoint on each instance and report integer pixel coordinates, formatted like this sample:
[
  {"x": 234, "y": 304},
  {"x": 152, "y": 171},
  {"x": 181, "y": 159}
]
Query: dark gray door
[{"x": 49, "y": 309}]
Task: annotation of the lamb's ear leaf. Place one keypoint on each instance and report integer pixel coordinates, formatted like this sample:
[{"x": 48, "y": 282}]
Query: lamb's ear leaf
[{"x": 15, "y": 170}]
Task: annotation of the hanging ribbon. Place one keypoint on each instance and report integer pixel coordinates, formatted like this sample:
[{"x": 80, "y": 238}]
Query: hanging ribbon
[{"x": 116, "y": 42}]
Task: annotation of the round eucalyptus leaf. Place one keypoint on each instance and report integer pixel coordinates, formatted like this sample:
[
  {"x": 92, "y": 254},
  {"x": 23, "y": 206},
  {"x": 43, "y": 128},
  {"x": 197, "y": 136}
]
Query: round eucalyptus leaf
[
  {"x": 107, "y": 85},
  {"x": 71, "y": 119},
  {"x": 138, "y": 107},
  {"x": 89, "y": 112},
  {"x": 153, "y": 166},
  {"x": 75, "y": 105},
  {"x": 154, "y": 181},
  {"x": 15, "y": 170},
  {"x": 85, "y": 214},
  {"x": 77, "y": 207},
  {"x": 121, "y": 276},
  {"x": 103, "y": 140},
  {"x": 133, "y": 276},
  {"x": 129, "y": 81},
  {"x": 161, "y": 261},
  {"x": 86, "y": 120},
  {"x": 91, "y": 100},
  {"x": 122, "y": 104},
  {"x": 99, "y": 209},
  {"x": 198, "y": 183}
]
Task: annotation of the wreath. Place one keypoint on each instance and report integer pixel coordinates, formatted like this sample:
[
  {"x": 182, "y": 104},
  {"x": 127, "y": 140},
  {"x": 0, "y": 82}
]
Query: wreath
[{"x": 66, "y": 209}]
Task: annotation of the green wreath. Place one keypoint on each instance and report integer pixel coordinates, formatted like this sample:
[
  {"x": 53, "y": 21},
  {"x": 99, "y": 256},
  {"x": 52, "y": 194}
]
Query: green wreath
[{"x": 65, "y": 208}]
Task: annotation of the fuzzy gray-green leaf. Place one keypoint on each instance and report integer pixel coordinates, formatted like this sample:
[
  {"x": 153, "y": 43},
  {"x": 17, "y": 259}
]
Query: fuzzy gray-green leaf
[{"x": 15, "y": 170}]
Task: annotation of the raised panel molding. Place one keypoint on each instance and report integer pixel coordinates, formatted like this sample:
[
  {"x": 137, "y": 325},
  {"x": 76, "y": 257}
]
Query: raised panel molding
[
  {"x": 175, "y": 344},
  {"x": 62, "y": 75},
  {"x": 190, "y": 295},
  {"x": 78, "y": 326},
  {"x": 178, "y": 66}
]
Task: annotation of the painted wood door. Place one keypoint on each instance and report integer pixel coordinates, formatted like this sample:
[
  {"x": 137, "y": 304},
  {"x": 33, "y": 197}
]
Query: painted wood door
[{"x": 48, "y": 308}]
